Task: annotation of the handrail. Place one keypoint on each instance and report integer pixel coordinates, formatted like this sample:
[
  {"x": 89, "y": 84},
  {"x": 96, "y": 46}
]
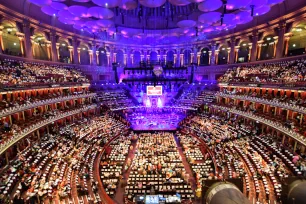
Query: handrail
[
  {"x": 39, "y": 125},
  {"x": 276, "y": 125},
  {"x": 296, "y": 108},
  {"x": 24, "y": 107},
  {"x": 138, "y": 107}
]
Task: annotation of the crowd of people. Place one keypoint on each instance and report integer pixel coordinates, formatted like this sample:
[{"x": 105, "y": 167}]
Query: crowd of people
[
  {"x": 62, "y": 161},
  {"x": 282, "y": 72},
  {"x": 16, "y": 72},
  {"x": 243, "y": 151}
]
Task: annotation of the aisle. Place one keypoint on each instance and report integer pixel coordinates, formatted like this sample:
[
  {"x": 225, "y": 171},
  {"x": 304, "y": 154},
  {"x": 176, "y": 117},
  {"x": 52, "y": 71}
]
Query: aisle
[
  {"x": 187, "y": 167},
  {"x": 119, "y": 196}
]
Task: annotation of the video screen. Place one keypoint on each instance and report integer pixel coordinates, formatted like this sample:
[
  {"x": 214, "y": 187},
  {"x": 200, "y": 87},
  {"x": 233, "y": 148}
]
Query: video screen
[{"x": 154, "y": 90}]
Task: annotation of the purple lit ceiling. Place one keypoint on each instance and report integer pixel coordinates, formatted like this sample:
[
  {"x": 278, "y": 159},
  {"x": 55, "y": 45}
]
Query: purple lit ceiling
[{"x": 154, "y": 21}]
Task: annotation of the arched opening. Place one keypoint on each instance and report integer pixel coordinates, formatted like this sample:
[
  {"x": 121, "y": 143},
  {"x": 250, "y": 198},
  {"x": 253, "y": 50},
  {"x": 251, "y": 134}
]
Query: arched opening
[
  {"x": 170, "y": 57},
  {"x": 84, "y": 55},
  {"x": 10, "y": 41},
  {"x": 223, "y": 55},
  {"x": 153, "y": 57},
  {"x": 267, "y": 48},
  {"x": 40, "y": 46},
  {"x": 297, "y": 42},
  {"x": 243, "y": 52},
  {"x": 204, "y": 57},
  {"x": 102, "y": 57},
  {"x": 120, "y": 57},
  {"x": 64, "y": 54},
  {"x": 136, "y": 58},
  {"x": 187, "y": 57}
]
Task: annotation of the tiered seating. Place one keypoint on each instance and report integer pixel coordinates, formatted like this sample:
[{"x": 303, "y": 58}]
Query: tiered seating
[
  {"x": 284, "y": 71},
  {"x": 60, "y": 164},
  {"x": 157, "y": 168},
  {"x": 13, "y": 72},
  {"x": 113, "y": 164},
  {"x": 115, "y": 99}
]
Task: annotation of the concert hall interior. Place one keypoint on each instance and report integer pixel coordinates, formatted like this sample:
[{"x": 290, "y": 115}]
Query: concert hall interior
[{"x": 152, "y": 101}]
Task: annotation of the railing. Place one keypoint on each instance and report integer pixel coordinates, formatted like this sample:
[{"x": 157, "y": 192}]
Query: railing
[
  {"x": 24, "y": 107},
  {"x": 265, "y": 84},
  {"x": 287, "y": 106},
  {"x": 39, "y": 125},
  {"x": 12, "y": 87},
  {"x": 139, "y": 107},
  {"x": 276, "y": 125}
]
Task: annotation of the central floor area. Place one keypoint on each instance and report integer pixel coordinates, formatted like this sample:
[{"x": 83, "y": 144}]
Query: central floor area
[{"x": 150, "y": 167}]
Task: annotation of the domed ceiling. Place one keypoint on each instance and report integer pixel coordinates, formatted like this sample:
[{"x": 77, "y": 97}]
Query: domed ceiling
[{"x": 154, "y": 21}]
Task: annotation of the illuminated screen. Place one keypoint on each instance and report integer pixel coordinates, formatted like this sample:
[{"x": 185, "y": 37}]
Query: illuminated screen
[{"x": 154, "y": 90}]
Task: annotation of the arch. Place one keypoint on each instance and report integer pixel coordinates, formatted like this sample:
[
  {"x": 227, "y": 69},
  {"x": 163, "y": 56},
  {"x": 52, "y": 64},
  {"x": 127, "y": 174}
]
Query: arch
[
  {"x": 223, "y": 54},
  {"x": 267, "y": 47},
  {"x": 153, "y": 56},
  {"x": 187, "y": 56},
  {"x": 120, "y": 57},
  {"x": 243, "y": 52},
  {"x": 63, "y": 50},
  {"x": 102, "y": 56},
  {"x": 204, "y": 57},
  {"x": 136, "y": 58},
  {"x": 170, "y": 56},
  {"x": 84, "y": 54},
  {"x": 297, "y": 42},
  {"x": 10, "y": 41},
  {"x": 40, "y": 46}
]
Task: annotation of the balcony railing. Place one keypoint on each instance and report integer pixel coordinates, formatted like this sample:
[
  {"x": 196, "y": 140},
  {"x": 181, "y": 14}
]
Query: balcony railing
[
  {"x": 283, "y": 105},
  {"x": 276, "y": 125},
  {"x": 24, "y": 107},
  {"x": 36, "y": 126}
]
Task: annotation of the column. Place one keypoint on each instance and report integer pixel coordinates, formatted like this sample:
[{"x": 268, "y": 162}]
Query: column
[
  {"x": 198, "y": 58},
  {"x": 181, "y": 60},
  {"x": 158, "y": 58},
  {"x": 75, "y": 51},
  {"x": 79, "y": 55},
  {"x": 21, "y": 37},
  {"x": 254, "y": 46},
  {"x": 216, "y": 56},
  {"x": 141, "y": 57},
  {"x": 28, "y": 43},
  {"x": 94, "y": 56},
  {"x": 259, "y": 43},
  {"x": 175, "y": 57},
  {"x": 125, "y": 59},
  {"x": 72, "y": 56},
  {"x": 213, "y": 54},
  {"x": 114, "y": 57},
  {"x": 132, "y": 59},
  {"x": 54, "y": 49},
  {"x": 232, "y": 52},
  {"x": 195, "y": 57},
  {"x": 209, "y": 56},
  {"x": 33, "y": 43},
  {"x": 165, "y": 58},
  {"x": 229, "y": 54},
  {"x": 287, "y": 38},
  {"x": 236, "y": 53},
  {"x": 275, "y": 45},
  {"x": 108, "y": 58},
  {"x": 48, "y": 44},
  {"x": 57, "y": 51},
  {"x": 192, "y": 56},
  {"x": 281, "y": 37},
  {"x": 97, "y": 57},
  {"x": 90, "y": 52},
  {"x": 1, "y": 40},
  {"x": 250, "y": 51}
]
